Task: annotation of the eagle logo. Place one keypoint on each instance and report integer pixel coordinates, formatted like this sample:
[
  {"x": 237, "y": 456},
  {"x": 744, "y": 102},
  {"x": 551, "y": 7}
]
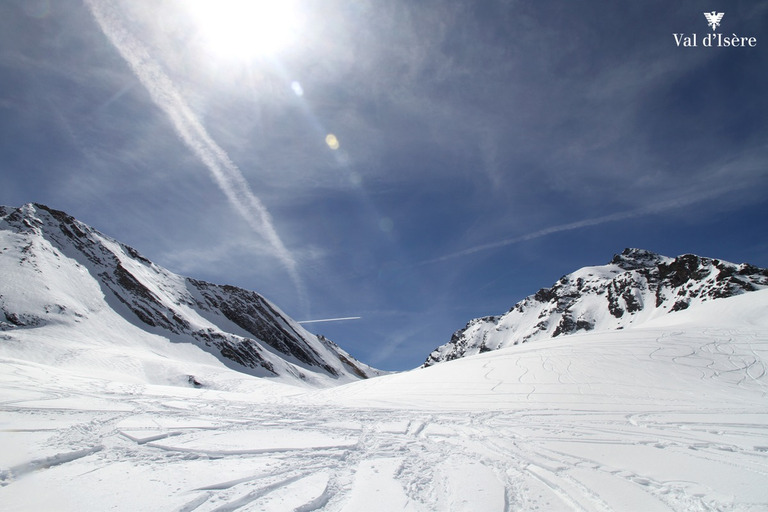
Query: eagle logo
[{"x": 713, "y": 19}]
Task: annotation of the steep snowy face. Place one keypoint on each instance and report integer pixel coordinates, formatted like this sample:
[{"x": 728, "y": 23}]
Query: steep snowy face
[
  {"x": 636, "y": 286},
  {"x": 59, "y": 271}
]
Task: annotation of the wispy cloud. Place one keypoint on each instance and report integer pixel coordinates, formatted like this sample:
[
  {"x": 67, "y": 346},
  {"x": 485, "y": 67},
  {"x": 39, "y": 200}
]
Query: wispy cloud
[
  {"x": 584, "y": 223},
  {"x": 340, "y": 319},
  {"x": 223, "y": 170}
]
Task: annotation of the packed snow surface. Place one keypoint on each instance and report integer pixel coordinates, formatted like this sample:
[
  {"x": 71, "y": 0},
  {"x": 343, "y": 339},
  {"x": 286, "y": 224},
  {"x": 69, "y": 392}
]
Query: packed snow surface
[{"x": 672, "y": 415}]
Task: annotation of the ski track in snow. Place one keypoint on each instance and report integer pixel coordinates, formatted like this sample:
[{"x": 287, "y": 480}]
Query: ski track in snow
[{"x": 545, "y": 427}]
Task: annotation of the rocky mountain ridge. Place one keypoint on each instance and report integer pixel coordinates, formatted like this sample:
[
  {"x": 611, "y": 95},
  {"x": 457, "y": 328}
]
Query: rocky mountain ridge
[
  {"x": 635, "y": 286},
  {"x": 57, "y": 269}
]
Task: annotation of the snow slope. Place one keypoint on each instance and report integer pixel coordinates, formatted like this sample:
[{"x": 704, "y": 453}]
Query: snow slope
[
  {"x": 119, "y": 312},
  {"x": 669, "y": 416},
  {"x": 637, "y": 286}
]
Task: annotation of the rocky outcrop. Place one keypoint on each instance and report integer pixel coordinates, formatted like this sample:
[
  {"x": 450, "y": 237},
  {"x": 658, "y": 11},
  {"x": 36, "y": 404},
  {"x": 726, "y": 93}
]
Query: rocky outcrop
[{"x": 635, "y": 286}]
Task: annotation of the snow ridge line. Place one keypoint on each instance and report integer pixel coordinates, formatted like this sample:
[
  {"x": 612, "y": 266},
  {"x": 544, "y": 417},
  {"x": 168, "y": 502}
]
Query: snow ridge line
[
  {"x": 8, "y": 476},
  {"x": 317, "y": 503},
  {"x": 262, "y": 491}
]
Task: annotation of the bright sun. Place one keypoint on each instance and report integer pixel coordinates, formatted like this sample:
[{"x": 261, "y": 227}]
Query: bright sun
[{"x": 246, "y": 28}]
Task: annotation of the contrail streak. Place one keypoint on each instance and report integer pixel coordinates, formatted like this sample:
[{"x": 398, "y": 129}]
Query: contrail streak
[
  {"x": 330, "y": 320},
  {"x": 595, "y": 221},
  {"x": 223, "y": 171}
]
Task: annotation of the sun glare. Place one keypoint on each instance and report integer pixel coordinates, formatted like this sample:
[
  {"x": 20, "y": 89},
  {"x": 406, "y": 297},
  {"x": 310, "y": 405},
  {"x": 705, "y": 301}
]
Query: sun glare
[{"x": 246, "y": 28}]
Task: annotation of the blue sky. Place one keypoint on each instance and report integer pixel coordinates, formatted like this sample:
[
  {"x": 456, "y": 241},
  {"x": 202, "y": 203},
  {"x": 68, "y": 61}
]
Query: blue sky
[{"x": 483, "y": 150}]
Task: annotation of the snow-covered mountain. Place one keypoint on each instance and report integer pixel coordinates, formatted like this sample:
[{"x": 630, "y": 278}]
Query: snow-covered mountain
[
  {"x": 667, "y": 415},
  {"x": 68, "y": 293},
  {"x": 636, "y": 286},
  {"x": 670, "y": 416}
]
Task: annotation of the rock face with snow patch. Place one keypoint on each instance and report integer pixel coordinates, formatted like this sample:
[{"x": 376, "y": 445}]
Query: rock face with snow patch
[
  {"x": 636, "y": 286},
  {"x": 57, "y": 269}
]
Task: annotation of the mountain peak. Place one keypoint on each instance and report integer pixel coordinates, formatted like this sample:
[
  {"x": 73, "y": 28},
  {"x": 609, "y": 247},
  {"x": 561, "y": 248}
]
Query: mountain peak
[
  {"x": 637, "y": 286},
  {"x": 632, "y": 258}
]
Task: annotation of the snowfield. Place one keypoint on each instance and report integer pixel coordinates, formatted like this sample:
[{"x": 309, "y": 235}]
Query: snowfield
[{"x": 672, "y": 415}]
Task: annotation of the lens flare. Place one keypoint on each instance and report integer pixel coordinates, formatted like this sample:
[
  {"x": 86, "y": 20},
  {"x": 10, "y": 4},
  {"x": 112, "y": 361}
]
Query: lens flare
[{"x": 332, "y": 141}]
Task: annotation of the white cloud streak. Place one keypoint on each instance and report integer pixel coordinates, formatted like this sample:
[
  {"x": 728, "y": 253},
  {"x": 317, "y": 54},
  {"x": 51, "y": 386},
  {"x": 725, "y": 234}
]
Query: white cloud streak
[
  {"x": 595, "y": 221},
  {"x": 224, "y": 172},
  {"x": 340, "y": 319}
]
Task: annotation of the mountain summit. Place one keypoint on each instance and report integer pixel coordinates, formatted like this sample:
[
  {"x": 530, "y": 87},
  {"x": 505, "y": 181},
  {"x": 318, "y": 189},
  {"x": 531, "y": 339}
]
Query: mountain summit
[
  {"x": 80, "y": 292},
  {"x": 636, "y": 286}
]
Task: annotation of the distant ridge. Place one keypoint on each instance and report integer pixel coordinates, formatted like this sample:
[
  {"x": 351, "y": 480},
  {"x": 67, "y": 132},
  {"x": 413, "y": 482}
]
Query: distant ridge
[{"x": 636, "y": 286}]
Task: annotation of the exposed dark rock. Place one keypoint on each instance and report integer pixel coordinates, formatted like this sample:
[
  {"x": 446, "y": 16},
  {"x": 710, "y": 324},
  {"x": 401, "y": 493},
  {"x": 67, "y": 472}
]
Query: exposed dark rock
[
  {"x": 568, "y": 325},
  {"x": 635, "y": 281},
  {"x": 633, "y": 259},
  {"x": 682, "y": 269},
  {"x": 545, "y": 295}
]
